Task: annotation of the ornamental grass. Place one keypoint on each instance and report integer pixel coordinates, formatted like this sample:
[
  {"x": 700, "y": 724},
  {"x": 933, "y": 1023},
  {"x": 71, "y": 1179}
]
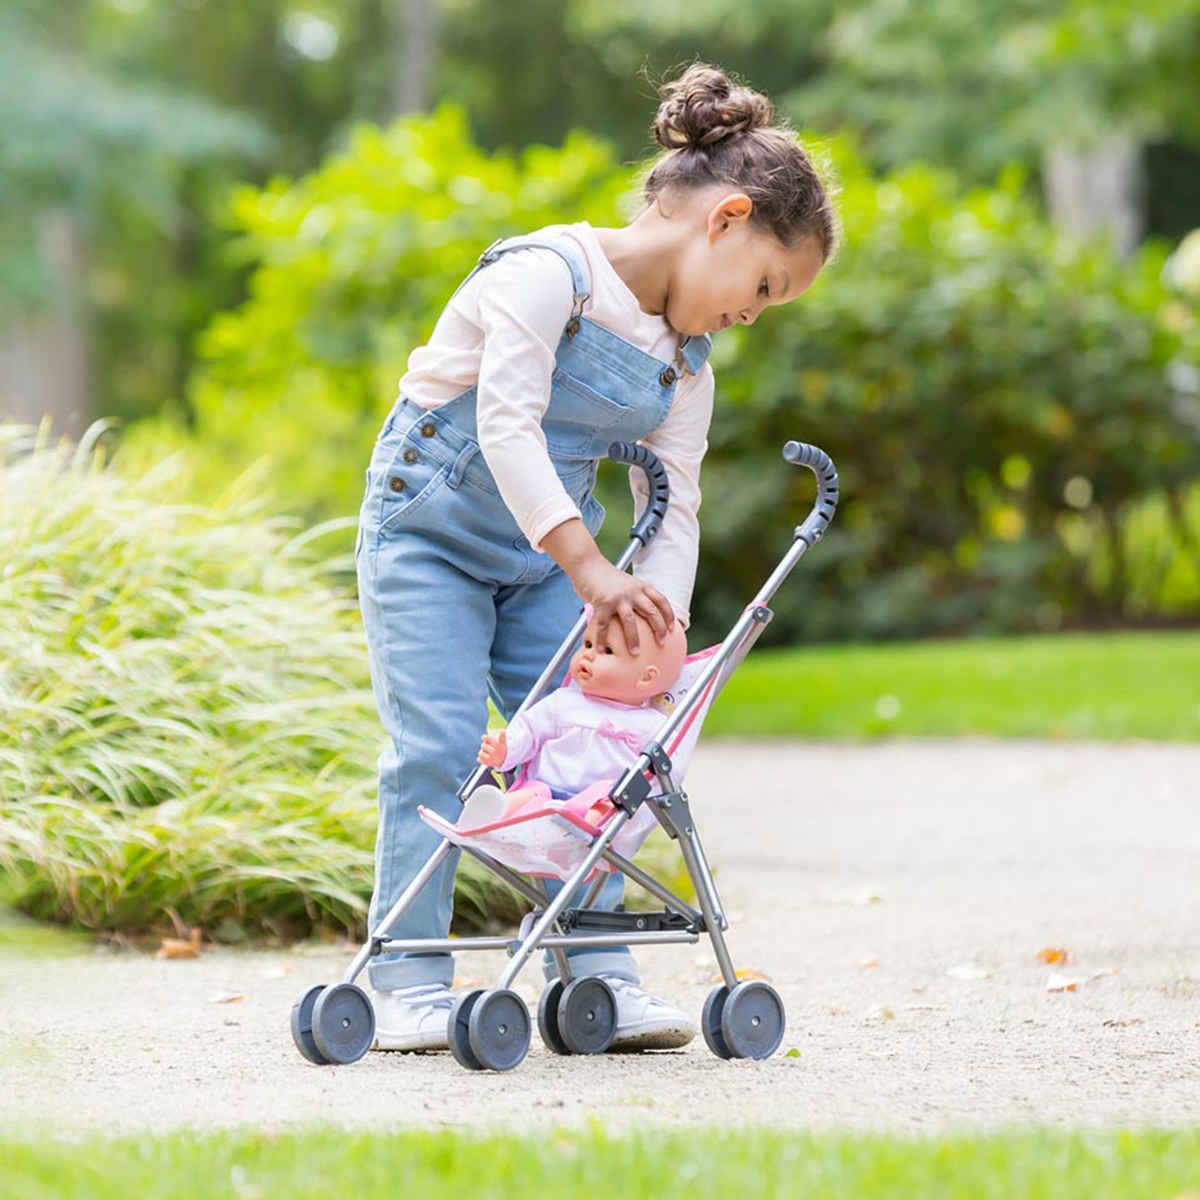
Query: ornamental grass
[{"x": 187, "y": 734}]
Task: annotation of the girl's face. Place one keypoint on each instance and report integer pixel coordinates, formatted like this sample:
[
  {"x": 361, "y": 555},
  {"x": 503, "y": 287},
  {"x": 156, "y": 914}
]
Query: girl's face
[{"x": 730, "y": 270}]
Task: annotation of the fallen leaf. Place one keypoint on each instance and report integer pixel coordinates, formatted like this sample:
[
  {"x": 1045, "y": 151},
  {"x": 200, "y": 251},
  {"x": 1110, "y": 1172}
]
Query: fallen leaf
[
  {"x": 969, "y": 971},
  {"x": 178, "y": 948},
  {"x": 1062, "y": 983},
  {"x": 1104, "y": 971},
  {"x": 1054, "y": 954},
  {"x": 792, "y": 1053},
  {"x": 226, "y": 997},
  {"x": 869, "y": 961},
  {"x": 881, "y": 1013},
  {"x": 749, "y": 974},
  {"x": 836, "y": 1010}
]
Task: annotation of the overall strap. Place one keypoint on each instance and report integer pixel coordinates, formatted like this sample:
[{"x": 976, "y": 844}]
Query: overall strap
[
  {"x": 693, "y": 352},
  {"x": 579, "y": 279}
]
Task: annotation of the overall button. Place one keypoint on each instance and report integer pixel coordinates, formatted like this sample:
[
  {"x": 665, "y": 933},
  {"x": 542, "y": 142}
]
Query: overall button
[
  {"x": 572, "y": 327},
  {"x": 410, "y": 456},
  {"x": 428, "y": 429},
  {"x": 397, "y": 484},
  {"x": 668, "y": 377}
]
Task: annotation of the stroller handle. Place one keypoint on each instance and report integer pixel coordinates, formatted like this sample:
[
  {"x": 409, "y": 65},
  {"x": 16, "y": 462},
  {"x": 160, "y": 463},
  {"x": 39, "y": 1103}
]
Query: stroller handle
[
  {"x": 821, "y": 465},
  {"x": 656, "y": 477}
]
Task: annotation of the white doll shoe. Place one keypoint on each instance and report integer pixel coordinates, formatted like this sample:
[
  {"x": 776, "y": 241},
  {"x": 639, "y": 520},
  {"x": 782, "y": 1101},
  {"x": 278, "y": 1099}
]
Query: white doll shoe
[{"x": 483, "y": 806}]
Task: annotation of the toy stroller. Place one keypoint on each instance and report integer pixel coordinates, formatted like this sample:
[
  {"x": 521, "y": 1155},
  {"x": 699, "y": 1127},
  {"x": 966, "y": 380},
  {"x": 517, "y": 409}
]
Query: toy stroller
[{"x": 490, "y": 1029}]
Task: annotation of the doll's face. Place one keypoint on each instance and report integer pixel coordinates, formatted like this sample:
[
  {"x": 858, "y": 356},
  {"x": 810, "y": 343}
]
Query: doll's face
[{"x": 612, "y": 673}]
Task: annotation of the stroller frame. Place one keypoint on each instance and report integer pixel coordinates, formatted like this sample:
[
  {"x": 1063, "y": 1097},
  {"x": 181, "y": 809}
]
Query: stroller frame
[{"x": 491, "y": 1029}]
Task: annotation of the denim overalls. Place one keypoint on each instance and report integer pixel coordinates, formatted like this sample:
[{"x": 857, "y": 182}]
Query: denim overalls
[{"x": 456, "y": 603}]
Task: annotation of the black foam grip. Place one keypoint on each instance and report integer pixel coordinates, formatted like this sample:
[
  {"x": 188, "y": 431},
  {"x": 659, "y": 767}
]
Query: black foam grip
[
  {"x": 821, "y": 465},
  {"x": 656, "y": 477}
]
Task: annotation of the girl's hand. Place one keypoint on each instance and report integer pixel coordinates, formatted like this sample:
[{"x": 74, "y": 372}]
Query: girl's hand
[
  {"x": 613, "y": 594},
  {"x": 494, "y": 749},
  {"x": 617, "y": 596}
]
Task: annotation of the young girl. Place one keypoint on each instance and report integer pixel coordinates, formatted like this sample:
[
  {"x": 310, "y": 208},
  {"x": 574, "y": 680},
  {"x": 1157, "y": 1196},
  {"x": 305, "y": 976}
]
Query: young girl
[{"x": 475, "y": 548}]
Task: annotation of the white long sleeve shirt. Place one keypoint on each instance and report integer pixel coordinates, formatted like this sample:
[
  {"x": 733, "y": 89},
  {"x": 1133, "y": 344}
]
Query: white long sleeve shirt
[{"x": 501, "y": 332}]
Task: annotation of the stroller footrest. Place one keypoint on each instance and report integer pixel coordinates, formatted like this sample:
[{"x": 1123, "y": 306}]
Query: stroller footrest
[{"x": 597, "y": 920}]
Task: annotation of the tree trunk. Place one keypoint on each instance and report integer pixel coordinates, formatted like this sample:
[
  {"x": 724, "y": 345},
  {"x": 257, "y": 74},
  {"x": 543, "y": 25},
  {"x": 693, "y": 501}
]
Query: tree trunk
[
  {"x": 1092, "y": 190},
  {"x": 415, "y": 41},
  {"x": 45, "y": 356}
]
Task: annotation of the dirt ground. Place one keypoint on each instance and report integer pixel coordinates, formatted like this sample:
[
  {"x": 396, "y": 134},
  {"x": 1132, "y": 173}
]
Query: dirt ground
[{"x": 897, "y": 895}]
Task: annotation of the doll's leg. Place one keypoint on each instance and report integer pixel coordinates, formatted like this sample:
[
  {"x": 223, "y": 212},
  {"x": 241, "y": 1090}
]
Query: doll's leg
[
  {"x": 429, "y": 628},
  {"x": 487, "y": 804},
  {"x": 532, "y": 621}
]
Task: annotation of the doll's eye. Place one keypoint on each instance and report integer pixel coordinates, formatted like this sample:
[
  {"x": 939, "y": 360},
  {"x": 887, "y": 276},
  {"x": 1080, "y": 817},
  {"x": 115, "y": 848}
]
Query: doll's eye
[
  {"x": 764, "y": 288},
  {"x": 608, "y": 650},
  {"x": 587, "y": 645}
]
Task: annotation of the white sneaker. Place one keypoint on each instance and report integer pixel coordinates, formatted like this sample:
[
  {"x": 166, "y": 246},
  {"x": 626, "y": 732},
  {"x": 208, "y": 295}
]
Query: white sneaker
[
  {"x": 644, "y": 1022},
  {"x": 412, "y": 1018}
]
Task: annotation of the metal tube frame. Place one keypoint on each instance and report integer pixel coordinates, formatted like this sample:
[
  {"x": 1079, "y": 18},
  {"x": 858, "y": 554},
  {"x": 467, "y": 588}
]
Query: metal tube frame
[{"x": 547, "y": 931}]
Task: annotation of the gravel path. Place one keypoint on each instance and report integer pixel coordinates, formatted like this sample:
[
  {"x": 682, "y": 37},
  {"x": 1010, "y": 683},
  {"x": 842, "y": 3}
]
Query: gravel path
[{"x": 896, "y": 894}]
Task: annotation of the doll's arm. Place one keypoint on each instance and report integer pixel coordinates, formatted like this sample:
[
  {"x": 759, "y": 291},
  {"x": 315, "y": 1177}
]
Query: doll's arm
[
  {"x": 524, "y": 736},
  {"x": 493, "y": 749}
]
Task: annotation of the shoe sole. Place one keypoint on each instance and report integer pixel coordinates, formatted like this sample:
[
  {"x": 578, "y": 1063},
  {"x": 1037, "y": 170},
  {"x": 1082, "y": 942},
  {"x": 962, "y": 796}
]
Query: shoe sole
[
  {"x": 410, "y": 1044},
  {"x": 671, "y": 1037}
]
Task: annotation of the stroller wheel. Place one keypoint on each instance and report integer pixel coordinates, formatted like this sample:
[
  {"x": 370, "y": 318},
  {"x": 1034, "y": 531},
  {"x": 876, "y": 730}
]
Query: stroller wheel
[
  {"x": 498, "y": 1030},
  {"x": 302, "y": 1033},
  {"x": 343, "y": 1023},
  {"x": 752, "y": 1020},
  {"x": 587, "y": 1015},
  {"x": 710, "y": 1021},
  {"x": 548, "y": 1018},
  {"x": 458, "y": 1032}
]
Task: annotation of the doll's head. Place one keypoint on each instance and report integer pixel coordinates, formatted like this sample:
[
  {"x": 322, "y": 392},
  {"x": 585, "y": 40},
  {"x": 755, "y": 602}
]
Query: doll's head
[{"x": 612, "y": 673}]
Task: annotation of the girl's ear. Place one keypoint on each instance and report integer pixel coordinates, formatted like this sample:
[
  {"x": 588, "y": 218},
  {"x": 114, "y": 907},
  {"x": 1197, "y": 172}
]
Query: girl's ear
[{"x": 728, "y": 211}]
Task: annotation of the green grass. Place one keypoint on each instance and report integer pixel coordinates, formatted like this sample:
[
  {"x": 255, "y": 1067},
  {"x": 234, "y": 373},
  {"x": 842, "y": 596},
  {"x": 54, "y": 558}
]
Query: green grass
[
  {"x": 1105, "y": 686},
  {"x": 1020, "y": 1166}
]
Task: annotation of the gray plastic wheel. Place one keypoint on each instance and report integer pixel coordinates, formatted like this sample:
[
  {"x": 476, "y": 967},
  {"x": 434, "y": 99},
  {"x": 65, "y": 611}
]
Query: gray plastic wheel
[
  {"x": 752, "y": 1020},
  {"x": 302, "y": 1026},
  {"x": 343, "y": 1023},
  {"x": 547, "y": 1018},
  {"x": 458, "y": 1031},
  {"x": 710, "y": 1021},
  {"x": 587, "y": 1016},
  {"x": 499, "y": 1029}
]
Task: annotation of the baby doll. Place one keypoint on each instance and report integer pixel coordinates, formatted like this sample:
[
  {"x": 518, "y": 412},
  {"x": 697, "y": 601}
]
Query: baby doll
[{"x": 575, "y": 737}]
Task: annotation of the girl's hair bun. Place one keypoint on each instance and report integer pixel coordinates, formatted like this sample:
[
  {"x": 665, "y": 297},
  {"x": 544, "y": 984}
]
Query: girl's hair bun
[{"x": 703, "y": 106}]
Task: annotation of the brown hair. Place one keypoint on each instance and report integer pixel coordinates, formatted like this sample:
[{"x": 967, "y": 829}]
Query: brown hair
[{"x": 716, "y": 131}]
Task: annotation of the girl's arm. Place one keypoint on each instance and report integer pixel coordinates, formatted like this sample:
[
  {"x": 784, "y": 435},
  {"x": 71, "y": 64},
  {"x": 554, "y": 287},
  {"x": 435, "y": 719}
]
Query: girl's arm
[
  {"x": 680, "y": 442},
  {"x": 525, "y": 300}
]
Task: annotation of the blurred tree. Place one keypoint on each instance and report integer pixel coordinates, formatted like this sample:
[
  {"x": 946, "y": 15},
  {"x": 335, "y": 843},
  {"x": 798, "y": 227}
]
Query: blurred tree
[{"x": 80, "y": 146}]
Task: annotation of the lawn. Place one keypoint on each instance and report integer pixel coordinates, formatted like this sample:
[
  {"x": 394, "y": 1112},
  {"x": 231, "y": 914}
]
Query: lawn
[
  {"x": 1103, "y": 686},
  {"x": 324, "y": 1163}
]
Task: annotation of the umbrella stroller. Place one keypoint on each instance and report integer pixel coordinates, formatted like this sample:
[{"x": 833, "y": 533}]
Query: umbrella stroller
[{"x": 580, "y": 841}]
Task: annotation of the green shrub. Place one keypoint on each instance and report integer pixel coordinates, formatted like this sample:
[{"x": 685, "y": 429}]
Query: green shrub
[
  {"x": 1014, "y": 415},
  {"x": 353, "y": 264},
  {"x": 186, "y": 725}
]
